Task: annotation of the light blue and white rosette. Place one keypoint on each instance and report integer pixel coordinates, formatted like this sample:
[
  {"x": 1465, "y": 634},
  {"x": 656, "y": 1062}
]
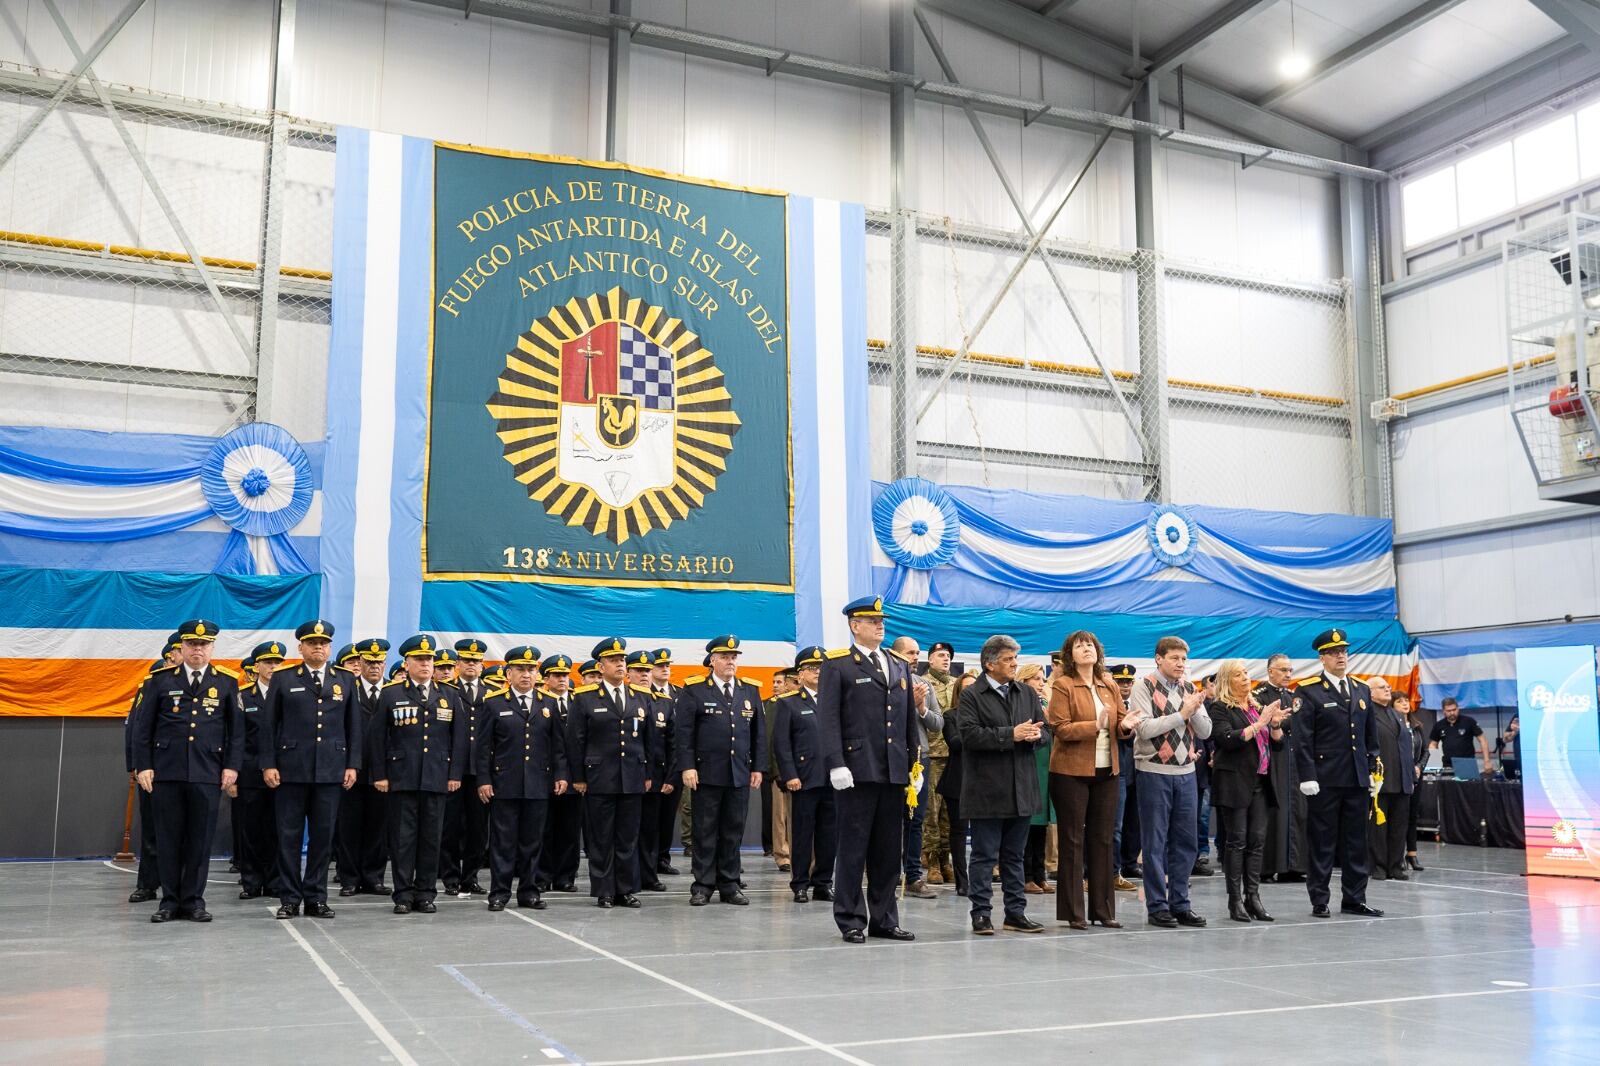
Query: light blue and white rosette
[
  {"x": 1173, "y": 535},
  {"x": 916, "y": 524},
  {"x": 258, "y": 480}
]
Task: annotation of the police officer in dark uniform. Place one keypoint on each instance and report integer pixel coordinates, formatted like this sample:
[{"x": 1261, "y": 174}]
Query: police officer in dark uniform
[
  {"x": 608, "y": 753},
  {"x": 309, "y": 755},
  {"x": 149, "y": 877},
  {"x": 361, "y": 842},
  {"x": 466, "y": 820},
  {"x": 667, "y": 805},
  {"x": 188, "y": 744},
  {"x": 653, "y": 836},
  {"x": 444, "y": 666},
  {"x": 253, "y": 806},
  {"x": 869, "y": 765},
  {"x": 1336, "y": 750},
  {"x": 558, "y": 858},
  {"x": 813, "y": 820},
  {"x": 721, "y": 750},
  {"x": 522, "y": 762},
  {"x": 417, "y": 759}
]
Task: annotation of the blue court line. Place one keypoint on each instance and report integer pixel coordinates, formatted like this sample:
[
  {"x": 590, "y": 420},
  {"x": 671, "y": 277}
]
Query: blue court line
[{"x": 510, "y": 1015}]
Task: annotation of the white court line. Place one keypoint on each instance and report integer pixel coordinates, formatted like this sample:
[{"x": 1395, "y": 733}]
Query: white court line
[
  {"x": 400, "y": 1054},
  {"x": 1083, "y": 1026},
  {"x": 125, "y": 870},
  {"x": 778, "y": 1027}
]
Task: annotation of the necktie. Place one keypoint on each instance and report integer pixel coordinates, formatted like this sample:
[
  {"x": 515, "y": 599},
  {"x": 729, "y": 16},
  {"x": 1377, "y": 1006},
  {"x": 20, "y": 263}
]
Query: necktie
[
  {"x": 316, "y": 681},
  {"x": 877, "y": 667},
  {"x": 522, "y": 705},
  {"x": 194, "y": 682},
  {"x": 727, "y": 691},
  {"x": 1344, "y": 693}
]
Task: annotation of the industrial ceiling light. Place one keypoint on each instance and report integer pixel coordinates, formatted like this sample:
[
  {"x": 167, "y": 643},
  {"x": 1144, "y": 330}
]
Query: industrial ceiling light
[{"x": 1296, "y": 64}]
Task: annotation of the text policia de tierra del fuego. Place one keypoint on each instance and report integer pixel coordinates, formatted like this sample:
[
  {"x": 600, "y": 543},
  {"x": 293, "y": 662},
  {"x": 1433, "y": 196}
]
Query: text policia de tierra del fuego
[{"x": 709, "y": 278}]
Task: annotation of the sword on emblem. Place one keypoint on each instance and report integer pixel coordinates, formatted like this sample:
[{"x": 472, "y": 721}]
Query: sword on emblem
[{"x": 588, "y": 354}]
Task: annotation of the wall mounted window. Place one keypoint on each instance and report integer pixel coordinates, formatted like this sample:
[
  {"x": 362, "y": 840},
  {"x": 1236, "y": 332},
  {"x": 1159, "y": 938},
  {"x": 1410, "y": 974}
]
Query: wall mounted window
[{"x": 1532, "y": 166}]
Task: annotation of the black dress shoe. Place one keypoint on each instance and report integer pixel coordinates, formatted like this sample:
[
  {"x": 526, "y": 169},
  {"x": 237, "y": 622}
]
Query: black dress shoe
[
  {"x": 1399, "y": 874},
  {"x": 289, "y": 910},
  {"x": 497, "y": 904},
  {"x": 542, "y": 886},
  {"x": 162, "y": 916},
  {"x": 1361, "y": 909},
  {"x": 737, "y": 899},
  {"x": 603, "y": 902},
  {"x": 141, "y": 895},
  {"x": 629, "y": 900},
  {"x": 742, "y": 884},
  {"x": 655, "y": 887},
  {"x": 348, "y": 890},
  {"x": 249, "y": 893},
  {"x": 1134, "y": 872},
  {"x": 199, "y": 916},
  {"x": 379, "y": 889},
  {"x": 1189, "y": 918},
  {"x": 891, "y": 933},
  {"x": 319, "y": 910},
  {"x": 402, "y": 908},
  {"x": 473, "y": 888},
  {"x": 1321, "y": 911},
  {"x": 854, "y": 936},
  {"x": 450, "y": 887},
  {"x": 800, "y": 896},
  {"x": 698, "y": 899},
  {"x": 1021, "y": 923},
  {"x": 1411, "y": 861},
  {"x": 534, "y": 904},
  {"x": 822, "y": 895},
  {"x": 668, "y": 869},
  {"x": 784, "y": 867},
  {"x": 982, "y": 926},
  {"x": 1164, "y": 919},
  {"x": 425, "y": 907},
  {"x": 1202, "y": 868},
  {"x": 567, "y": 886}
]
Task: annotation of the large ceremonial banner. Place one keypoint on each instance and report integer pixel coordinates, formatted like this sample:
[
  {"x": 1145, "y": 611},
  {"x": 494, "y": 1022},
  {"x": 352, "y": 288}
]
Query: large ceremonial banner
[
  {"x": 608, "y": 389},
  {"x": 569, "y": 400}
]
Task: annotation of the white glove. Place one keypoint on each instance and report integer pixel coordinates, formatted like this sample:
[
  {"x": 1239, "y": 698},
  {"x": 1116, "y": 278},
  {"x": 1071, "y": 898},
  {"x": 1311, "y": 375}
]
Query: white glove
[
  {"x": 1309, "y": 788},
  {"x": 841, "y": 778}
]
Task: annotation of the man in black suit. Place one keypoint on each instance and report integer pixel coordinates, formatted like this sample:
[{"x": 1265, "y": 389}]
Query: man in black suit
[
  {"x": 1336, "y": 749},
  {"x": 558, "y": 858},
  {"x": 417, "y": 757},
  {"x": 466, "y": 821},
  {"x": 869, "y": 765},
  {"x": 361, "y": 844},
  {"x": 255, "y": 824},
  {"x": 310, "y": 748},
  {"x": 721, "y": 745},
  {"x": 609, "y": 738},
  {"x": 796, "y": 746},
  {"x": 1399, "y": 781},
  {"x": 522, "y": 762},
  {"x": 1000, "y": 723},
  {"x": 671, "y": 792},
  {"x": 188, "y": 744}
]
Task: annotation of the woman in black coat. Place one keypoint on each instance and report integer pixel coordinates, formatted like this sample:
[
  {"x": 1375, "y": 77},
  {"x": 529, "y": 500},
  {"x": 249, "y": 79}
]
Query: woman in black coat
[
  {"x": 1244, "y": 736},
  {"x": 950, "y": 782}
]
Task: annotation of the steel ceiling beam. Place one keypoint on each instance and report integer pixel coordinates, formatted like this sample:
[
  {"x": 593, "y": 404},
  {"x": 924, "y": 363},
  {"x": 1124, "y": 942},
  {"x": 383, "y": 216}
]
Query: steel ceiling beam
[
  {"x": 1187, "y": 44},
  {"x": 1381, "y": 37},
  {"x": 1080, "y": 48},
  {"x": 1581, "y": 20}
]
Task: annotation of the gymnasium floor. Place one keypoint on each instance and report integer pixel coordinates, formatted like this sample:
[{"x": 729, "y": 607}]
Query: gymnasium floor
[{"x": 1473, "y": 963}]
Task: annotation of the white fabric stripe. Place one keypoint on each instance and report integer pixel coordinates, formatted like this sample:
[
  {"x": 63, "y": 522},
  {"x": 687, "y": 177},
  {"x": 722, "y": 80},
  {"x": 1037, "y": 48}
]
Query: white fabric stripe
[
  {"x": 1057, "y": 560},
  {"x": 48, "y": 499},
  {"x": 1465, "y": 669},
  {"x": 309, "y": 526},
  {"x": 914, "y": 589},
  {"x": 1374, "y": 575},
  {"x": 262, "y": 554},
  {"x": 142, "y": 644},
  {"x": 834, "y": 554},
  {"x": 375, "y": 463},
  {"x": 684, "y": 652}
]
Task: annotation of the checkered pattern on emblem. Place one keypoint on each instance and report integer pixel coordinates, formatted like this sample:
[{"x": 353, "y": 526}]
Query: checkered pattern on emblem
[{"x": 643, "y": 369}]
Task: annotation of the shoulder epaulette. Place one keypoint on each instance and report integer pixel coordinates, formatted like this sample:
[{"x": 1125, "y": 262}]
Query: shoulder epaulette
[
  {"x": 786, "y": 695},
  {"x": 225, "y": 672},
  {"x": 696, "y": 679},
  {"x": 496, "y": 692},
  {"x": 396, "y": 681},
  {"x": 452, "y": 684},
  {"x": 346, "y": 669},
  {"x": 661, "y": 695},
  {"x": 162, "y": 670},
  {"x": 897, "y": 655},
  {"x": 581, "y": 689},
  {"x": 838, "y": 653},
  {"x": 641, "y": 689}
]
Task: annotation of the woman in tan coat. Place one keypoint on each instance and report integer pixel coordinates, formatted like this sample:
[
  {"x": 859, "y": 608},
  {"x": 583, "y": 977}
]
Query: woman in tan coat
[{"x": 1084, "y": 714}]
